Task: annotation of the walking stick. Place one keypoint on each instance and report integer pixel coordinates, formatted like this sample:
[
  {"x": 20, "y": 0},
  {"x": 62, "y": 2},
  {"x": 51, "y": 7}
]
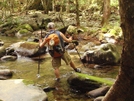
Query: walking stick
[
  {"x": 40, "y": 26},
  {"x": 79, "y": 55}
]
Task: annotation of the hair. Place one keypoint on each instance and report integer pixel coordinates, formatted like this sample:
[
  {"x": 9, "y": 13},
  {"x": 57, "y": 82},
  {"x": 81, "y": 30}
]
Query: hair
[{"x": 51, "y": 25}]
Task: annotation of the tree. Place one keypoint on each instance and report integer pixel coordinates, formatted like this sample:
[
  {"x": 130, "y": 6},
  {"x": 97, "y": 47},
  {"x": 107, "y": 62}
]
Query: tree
[
  {"x": 45, "y": 5},
  {"x": 77, "y": 13},
  {"x": 106, "y": 12},
  {"x": 123, "y": 89}
]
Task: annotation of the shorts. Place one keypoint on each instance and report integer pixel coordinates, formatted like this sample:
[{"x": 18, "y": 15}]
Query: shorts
[{"x": 56, "y": 62}]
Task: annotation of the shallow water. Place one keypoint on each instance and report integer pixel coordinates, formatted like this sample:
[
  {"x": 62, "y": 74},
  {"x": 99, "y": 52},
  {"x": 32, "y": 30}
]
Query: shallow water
[{"x": 27, "y": 68}]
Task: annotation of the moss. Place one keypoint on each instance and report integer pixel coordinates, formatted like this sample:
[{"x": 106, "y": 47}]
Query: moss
[
  {"x": 29, "y": 45},
  {"x": 23, "y": 31},
  {"x": 27, "y": 82},
  {"x": 104, "y": 30},
  {"x": 94, "y": 78},
  {"x": 112, "y": 32},
  {"x": 26, "y": 26}
]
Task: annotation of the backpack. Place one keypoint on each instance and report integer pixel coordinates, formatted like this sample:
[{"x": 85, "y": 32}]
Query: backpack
[{"x": 55, "y": 47}]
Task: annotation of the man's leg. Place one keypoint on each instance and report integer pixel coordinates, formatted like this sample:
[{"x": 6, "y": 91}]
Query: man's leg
[
  {"x": 66, "y": 57},
  {"x": 56, "y": 63},
  {"x": 57, "y": 73},
  {"x": 73, "y": 66}
]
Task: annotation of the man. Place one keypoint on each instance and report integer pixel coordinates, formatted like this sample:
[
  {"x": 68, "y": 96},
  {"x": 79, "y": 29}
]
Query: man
[{"x": 56, "y": 61}]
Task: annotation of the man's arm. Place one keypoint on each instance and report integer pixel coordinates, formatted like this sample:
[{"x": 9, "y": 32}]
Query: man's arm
[
  {"x": 66, "y": 39},
  {"x": 42, "y": 42}
]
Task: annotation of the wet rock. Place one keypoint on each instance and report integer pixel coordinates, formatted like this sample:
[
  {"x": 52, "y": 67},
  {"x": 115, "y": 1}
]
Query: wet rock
[
  {"x": 19, "y": 91},
  {"x": 8, "y": 58},
  {"x": 82, "y": 85},
  {"x": 2, "y": 51},
  {"x": 27, "y": 49},
  {"x": 99, "y": 98},
  {"x": 5, "y": 74},
  {"x": 106, "y": 54},
  {"x": 38, "y": 34},
  {"x": 48, "y": 89},
  {"x": 33, "y": 39},
  {"x": 98, "y": 92}
]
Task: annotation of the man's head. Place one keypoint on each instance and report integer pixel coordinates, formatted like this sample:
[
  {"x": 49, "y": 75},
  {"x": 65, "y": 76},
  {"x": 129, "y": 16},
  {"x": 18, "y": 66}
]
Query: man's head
[{"x": 51, "y": 25}]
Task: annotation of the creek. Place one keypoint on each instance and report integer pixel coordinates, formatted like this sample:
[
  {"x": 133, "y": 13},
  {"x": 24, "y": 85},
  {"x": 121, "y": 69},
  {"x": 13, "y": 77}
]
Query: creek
[{"x": 27, "y": 68}]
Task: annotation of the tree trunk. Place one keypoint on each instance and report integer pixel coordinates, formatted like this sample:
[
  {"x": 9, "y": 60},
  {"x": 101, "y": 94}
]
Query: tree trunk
[
  {"x": 106, "y": 12},
  {"x": 36, "y": 4},
  {"x": 77, "y": 13},
  {"x": 45, "y": 5},
  {"x": 123, "y": 89},
  {"x": 68, "y": 6}
]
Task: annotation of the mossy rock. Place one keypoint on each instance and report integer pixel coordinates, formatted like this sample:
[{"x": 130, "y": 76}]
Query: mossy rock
[
  {"x": 30, "y": 45},
  {"x": 85, "y": 82},
  {"x": 104, "y": 30},
  {"x": 27, "y": 82},
  {"x": 103, "y": 81},
  {"x": 10, "y": 32},
  {"x": 26, "y": 26},
  {"x": 71, "y": 29},
  {"x": 112, "y": 32},
  {"x": 23, "y": 31}
]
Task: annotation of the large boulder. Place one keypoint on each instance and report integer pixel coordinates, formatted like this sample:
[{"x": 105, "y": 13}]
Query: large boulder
[
  {"x": 26, "y": 48},
  {"x": 84, "y": 83},
  {"x": 102, "y": 54},
  {"x": 17, "y": 90}
]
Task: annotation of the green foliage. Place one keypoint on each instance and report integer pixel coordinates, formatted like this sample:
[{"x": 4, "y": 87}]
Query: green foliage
[
  {"x": 104, "y": 29},
  {"x": 3, "y": 4},
  {"x": 114, "y": 3}
]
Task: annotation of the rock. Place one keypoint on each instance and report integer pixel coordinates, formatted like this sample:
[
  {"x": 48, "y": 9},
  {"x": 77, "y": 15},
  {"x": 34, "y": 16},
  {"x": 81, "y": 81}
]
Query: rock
[
  {"x": 33, "y": 39},
  {"x": 2, "y": 51},
  {"x": 8, "y": 58},
  {"x": 48, "y": 89},
  {"x": 27, "y": 49},
  {"x": 5, "y": 74},
  {"x": 71, "y": 29},
  {"x": 106, "y": 54},
  {"x": 82, "y": 84},
  {"x": 98, "y": 92},
  {"x": 1, "y": 43},
  {"x": 18, "y": 91},
  {"x": 38, "y": 34},
  {"x": 99, "y": 98}
]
